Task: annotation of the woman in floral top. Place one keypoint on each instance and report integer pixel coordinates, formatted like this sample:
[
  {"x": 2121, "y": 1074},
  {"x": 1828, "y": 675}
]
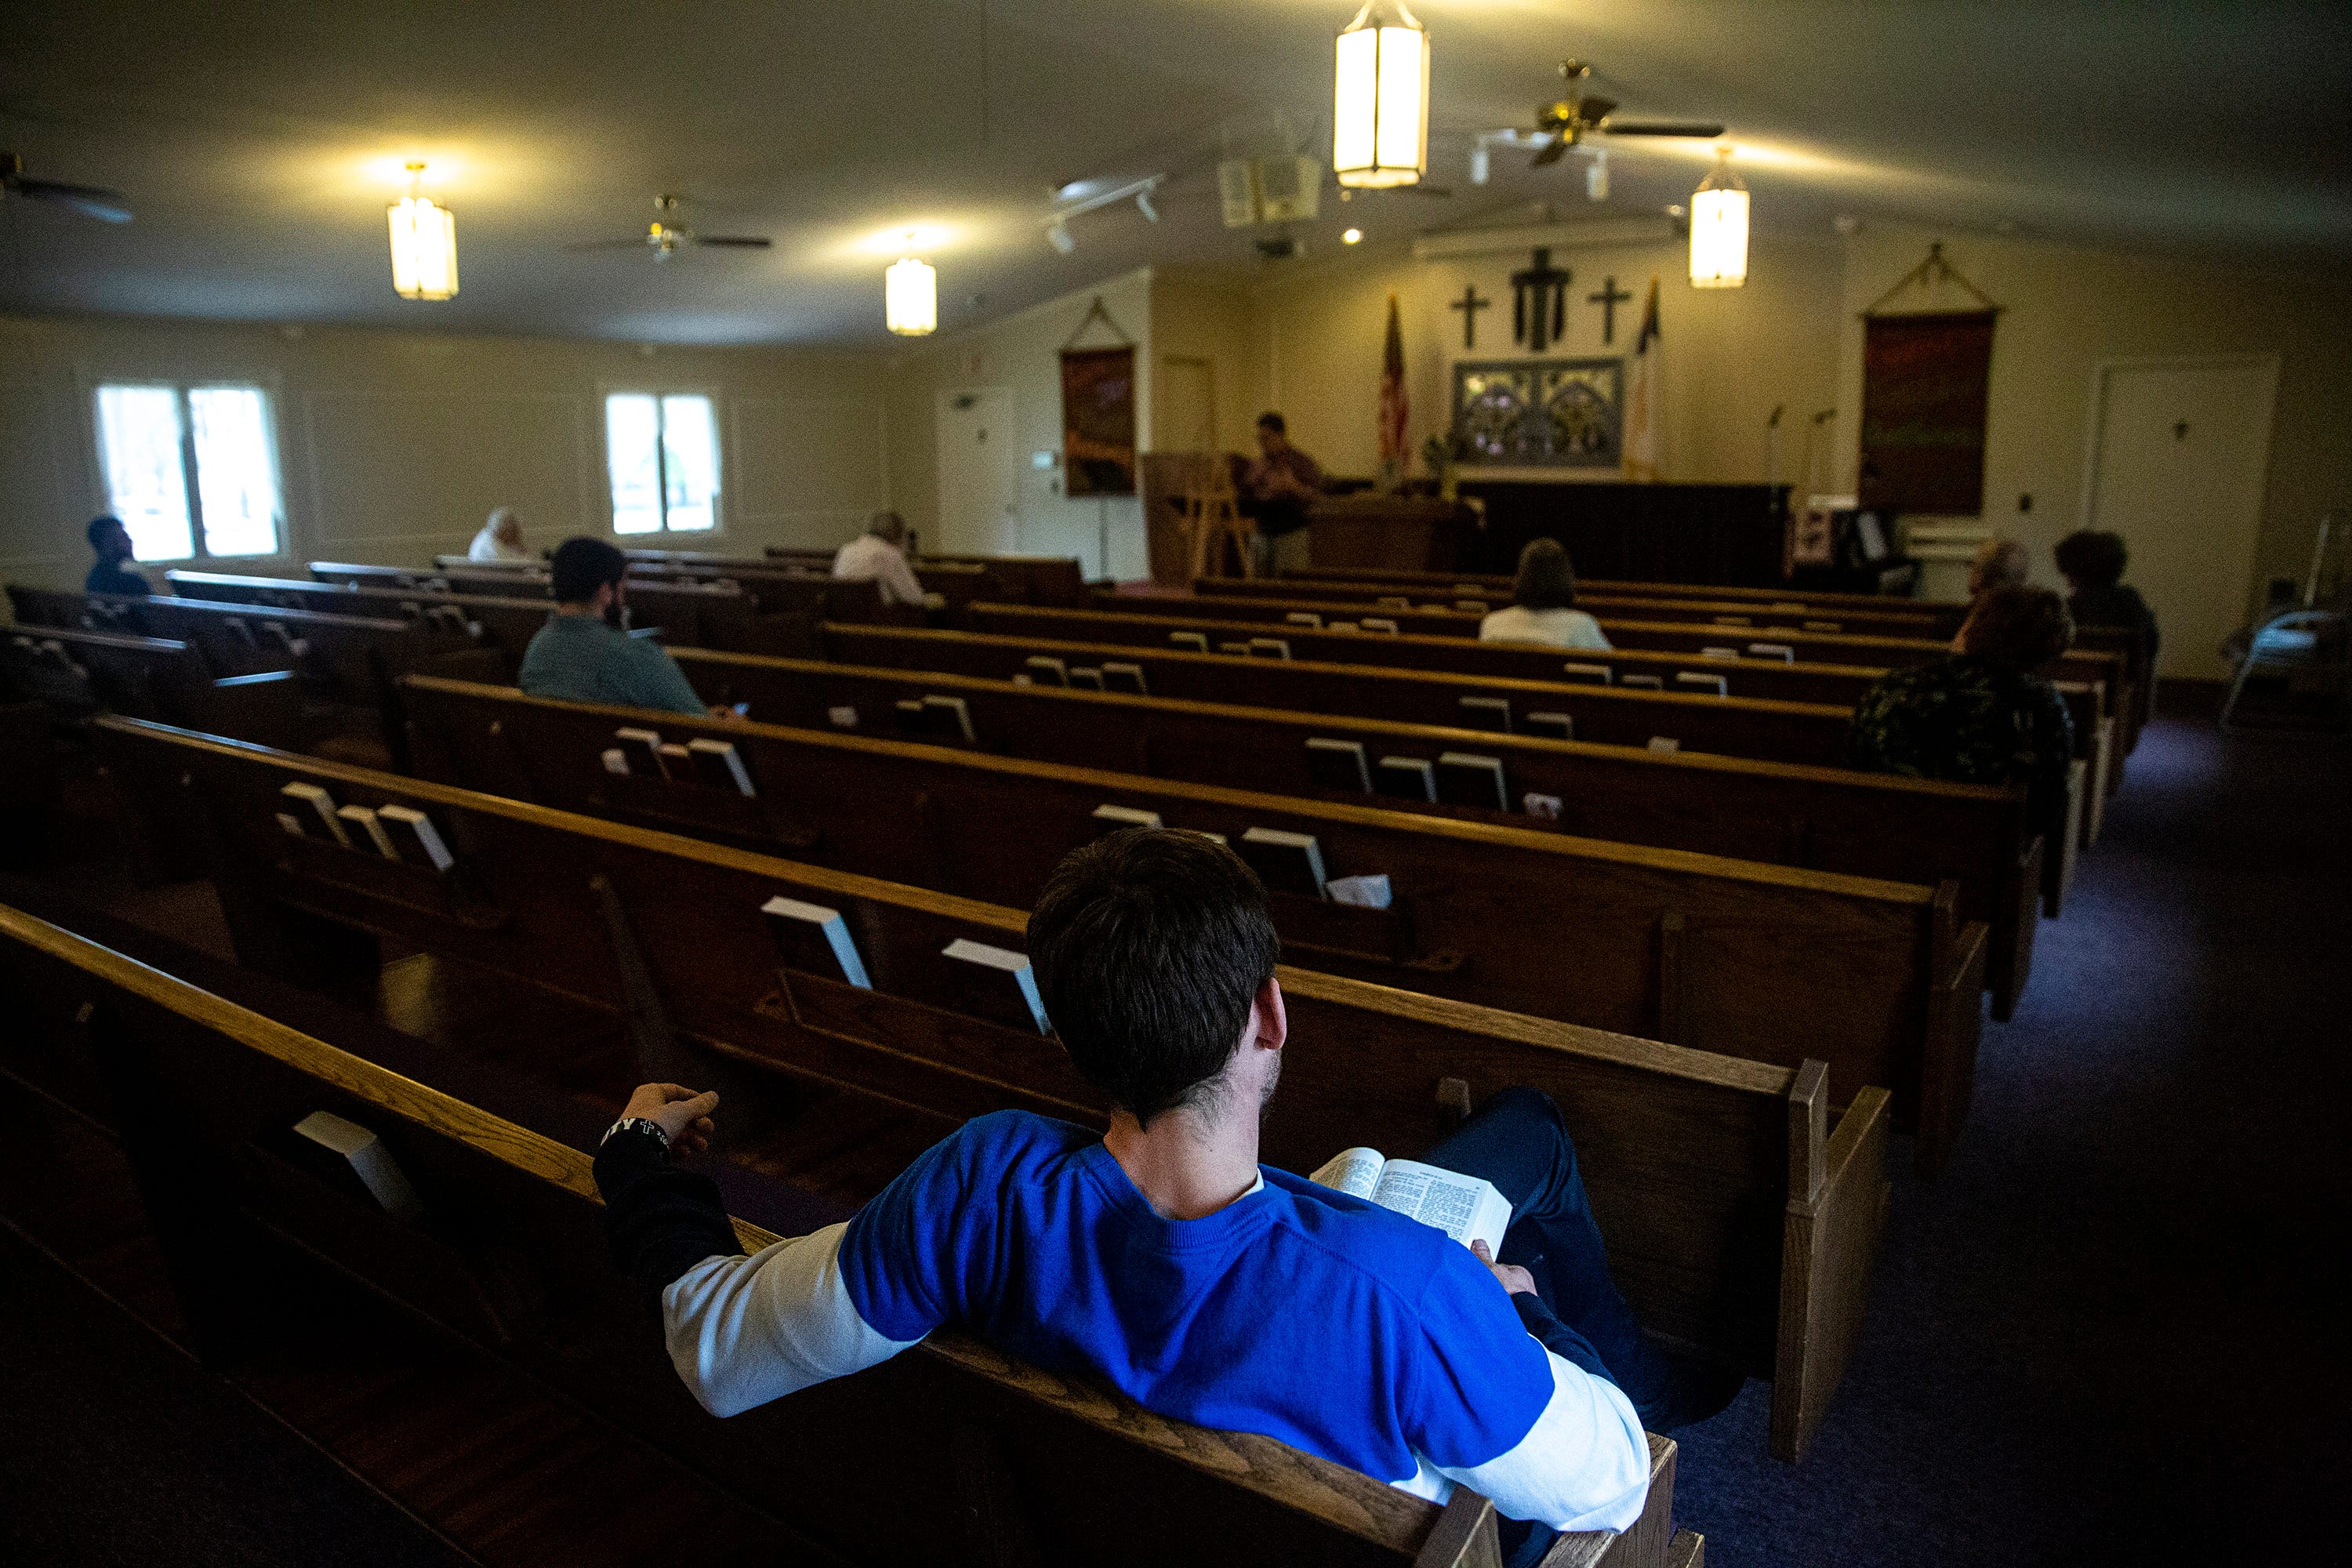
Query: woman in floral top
[{"x": 1984, "y": 715}]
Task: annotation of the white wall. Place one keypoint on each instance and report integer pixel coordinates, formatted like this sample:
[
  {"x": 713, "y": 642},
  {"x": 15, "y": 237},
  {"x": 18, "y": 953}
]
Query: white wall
[
  {"x": 392, "y": 446},
  {"x": 1730, "y": 355},
  {"x": 1022, "y": 354}
]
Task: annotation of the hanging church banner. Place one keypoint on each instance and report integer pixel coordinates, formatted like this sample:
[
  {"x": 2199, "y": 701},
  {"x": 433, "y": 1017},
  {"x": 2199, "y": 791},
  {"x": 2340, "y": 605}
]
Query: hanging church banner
[
  {"x": 1925, "y": 381},
  {"x": 1551, "y": 414},
  {"x": 1098, "y": 421}
]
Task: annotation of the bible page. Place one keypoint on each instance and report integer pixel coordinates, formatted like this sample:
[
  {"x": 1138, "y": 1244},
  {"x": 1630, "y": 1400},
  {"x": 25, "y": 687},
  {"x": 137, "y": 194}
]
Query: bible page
[
  {"x": 1355, "y": 1171},
  {"x": 1467, "y": 1208}
]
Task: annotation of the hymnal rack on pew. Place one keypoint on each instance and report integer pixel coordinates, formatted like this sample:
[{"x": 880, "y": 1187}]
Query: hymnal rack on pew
[{"x": 1467, "y": 1208}]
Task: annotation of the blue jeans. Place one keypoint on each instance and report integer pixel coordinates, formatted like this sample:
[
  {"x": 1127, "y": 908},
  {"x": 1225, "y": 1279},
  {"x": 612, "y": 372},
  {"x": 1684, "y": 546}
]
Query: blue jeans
[{"x": 1517, "y": 1141}]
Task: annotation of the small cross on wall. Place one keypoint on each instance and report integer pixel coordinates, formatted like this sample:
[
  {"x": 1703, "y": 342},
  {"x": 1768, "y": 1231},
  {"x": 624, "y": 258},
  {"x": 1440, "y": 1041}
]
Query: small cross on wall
[{"x": 1608, "y": 299}]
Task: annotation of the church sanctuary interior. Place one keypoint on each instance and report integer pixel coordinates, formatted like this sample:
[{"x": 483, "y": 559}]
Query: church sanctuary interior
[{"x": 1707, "y": 646}]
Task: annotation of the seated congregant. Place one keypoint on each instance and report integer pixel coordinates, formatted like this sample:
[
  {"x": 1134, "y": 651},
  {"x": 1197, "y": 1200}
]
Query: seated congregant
[
  {"x": 1984, "y": 714},
  {"x": 2092, "y": 562},
  {"x": 501, "y": 538},
  {"x": 1162, "y": 1259},
  {"x": 1999, "y": 563},
  {"x": 584, "y": 654},
  {"x": 879, "y": 555},
  {"x": 1280, "y": 483},
  {"x": 113, "y": 572},
  {"x": 1543, "y": 597}
]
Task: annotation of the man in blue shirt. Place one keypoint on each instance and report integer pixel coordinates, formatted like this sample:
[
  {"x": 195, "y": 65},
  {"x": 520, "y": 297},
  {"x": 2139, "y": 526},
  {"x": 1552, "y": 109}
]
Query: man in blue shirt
[
  {"x": 1162, "y": 1259},
  {"x": 111, "y": 574},
  {"x": 584, "y": 655}
]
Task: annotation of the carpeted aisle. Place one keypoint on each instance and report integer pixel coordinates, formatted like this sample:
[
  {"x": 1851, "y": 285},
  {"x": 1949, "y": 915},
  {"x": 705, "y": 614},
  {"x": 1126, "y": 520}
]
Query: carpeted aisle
[{"x": 2106, "y": 1334}]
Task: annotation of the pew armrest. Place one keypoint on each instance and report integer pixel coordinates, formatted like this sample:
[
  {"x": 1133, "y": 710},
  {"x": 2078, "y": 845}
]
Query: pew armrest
[
  {"x": 1829, "y": 1248},
  {"x": 1647, "y": 1543},
  {"x": 1948, "y": 1066}
]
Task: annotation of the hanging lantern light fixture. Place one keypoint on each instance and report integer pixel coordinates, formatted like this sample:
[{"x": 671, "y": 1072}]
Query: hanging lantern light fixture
[
  {"x": 1718, "y": 229},
  {"x": 1379, "y": 120},
  {"x": 910, "y": 296},
  {"x": 423, "y": 244}
]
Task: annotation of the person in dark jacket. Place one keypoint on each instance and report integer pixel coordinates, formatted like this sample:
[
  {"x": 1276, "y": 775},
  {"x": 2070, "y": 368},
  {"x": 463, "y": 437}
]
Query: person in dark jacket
[
  {"x": 113, "y": 573},
  {"x": 1985, "y": 715},
  {"x": 2092, "y": 562}
]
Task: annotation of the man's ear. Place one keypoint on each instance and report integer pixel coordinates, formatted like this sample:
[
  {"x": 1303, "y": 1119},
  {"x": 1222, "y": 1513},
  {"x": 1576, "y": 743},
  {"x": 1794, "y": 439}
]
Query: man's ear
[{"x": 1272, "y": 1022}]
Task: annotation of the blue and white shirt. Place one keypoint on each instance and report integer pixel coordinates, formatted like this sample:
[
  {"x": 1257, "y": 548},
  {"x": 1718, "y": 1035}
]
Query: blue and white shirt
[{"x": 1297, "y": 1312}]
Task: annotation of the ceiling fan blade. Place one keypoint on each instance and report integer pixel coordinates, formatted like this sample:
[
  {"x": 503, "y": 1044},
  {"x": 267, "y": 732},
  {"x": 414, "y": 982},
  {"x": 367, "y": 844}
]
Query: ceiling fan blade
[
  {"x": 1659, "y": 128},
  {"x": 741, "y": 241},
  {"x": 1596, "y": 110},
  {"x": 635, "y": 242},
  {"x": 108, "y": 206},
  {"x": 1551, "y": 153}
]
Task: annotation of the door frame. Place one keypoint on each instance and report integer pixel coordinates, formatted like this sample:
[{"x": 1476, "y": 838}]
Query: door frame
[
  {"x": 941, "y": 404},
  {"x": 2095, "y": 433}
]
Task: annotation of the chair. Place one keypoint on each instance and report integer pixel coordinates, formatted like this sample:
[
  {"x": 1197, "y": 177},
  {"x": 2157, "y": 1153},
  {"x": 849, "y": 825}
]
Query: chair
[{"x": 2311, "y": 651}]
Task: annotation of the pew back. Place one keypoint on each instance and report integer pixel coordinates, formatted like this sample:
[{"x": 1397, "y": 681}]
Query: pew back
[
  {"x": 1895, "y": 618},
  {"x": 1882, "y": 980}
]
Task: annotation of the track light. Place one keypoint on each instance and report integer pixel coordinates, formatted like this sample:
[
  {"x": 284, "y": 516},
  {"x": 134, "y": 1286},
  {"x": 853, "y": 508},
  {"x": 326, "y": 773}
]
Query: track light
[
  {"x": 1060, "y": 237},
  {"x": 1479, "y": 166},
  {"x": 1143, "y": 204},
  {"x": 1596, "y": 178}
]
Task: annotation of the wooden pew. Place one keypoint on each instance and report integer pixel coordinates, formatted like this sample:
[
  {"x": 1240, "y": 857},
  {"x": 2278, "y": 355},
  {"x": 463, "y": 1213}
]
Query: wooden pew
[
  {"x": 1693, "y": 604},
  {"x": 346, "y": 664},
  {"x": 1742, "y": 1216},
  {"x": 1028, "y": 579},
  {"x": 2089, "y": 701},
  {"x": 1632, "y": 632},
  {"x": 951, "y": 1450},
  {"x": 1478, "y": 583},
  {"x": 810, "y": 596},
  {"x": 1882, "y": 980},
  {"x": 813, "y": 588},
  {"x": 76, "y": 674},
  {"x": 1831, "y": 819}
]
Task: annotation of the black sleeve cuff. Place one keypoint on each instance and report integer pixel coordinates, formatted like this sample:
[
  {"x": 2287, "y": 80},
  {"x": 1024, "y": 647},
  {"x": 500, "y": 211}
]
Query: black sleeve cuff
[
  {"x": 1538, "y": 1318},
  {"x": 661, "y": 1221}
]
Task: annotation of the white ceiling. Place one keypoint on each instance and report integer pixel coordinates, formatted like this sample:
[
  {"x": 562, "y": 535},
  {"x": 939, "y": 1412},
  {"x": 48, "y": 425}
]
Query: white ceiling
[{"x": 261, "y": 141}]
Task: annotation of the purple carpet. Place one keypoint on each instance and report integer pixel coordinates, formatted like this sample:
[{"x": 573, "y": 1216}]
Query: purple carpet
[{"x": 2104, "y": 1335}]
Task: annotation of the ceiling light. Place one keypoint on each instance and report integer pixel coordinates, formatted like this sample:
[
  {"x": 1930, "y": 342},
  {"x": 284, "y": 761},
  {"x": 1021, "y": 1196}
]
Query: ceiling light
[
  {"x": 1352, "y": 236},
  {"x": 1718, "y": 229},
  {"x": 424, "y": 243},
  {"x": 910, "y": 296},
  {"x": 1060, "y": 235},
  {"x": 1143, "y": 204},
  {"x": 1380, "y": 120}
]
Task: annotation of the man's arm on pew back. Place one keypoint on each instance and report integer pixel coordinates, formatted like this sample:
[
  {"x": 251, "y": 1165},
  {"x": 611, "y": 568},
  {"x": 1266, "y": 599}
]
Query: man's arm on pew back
[{"x": 742, "y": 1331}]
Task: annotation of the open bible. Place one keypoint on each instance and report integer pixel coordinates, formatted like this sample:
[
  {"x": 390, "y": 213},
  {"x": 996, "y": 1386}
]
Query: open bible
[{"x": 1467, "y": 1208}]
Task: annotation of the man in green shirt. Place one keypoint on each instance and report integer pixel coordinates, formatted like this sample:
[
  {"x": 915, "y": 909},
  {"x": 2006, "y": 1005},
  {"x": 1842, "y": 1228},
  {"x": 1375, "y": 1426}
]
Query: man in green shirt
[{"x": 582, "y": 655}]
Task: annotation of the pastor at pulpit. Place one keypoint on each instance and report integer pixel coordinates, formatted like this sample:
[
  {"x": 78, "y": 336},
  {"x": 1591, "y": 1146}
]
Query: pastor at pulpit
[{"x": 1276, "y": 489}]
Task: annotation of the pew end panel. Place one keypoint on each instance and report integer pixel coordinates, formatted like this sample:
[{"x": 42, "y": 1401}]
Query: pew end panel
[
  {"x": 1948, "y": 1068},
  {"x": 2009, "y": 959},
  {"x": 1836, "y": 1219},
  {"x": 2058, "y": 874}
]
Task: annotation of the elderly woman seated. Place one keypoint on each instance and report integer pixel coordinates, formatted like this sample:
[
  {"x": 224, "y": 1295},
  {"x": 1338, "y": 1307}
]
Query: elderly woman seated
[
  {"x": 1984, "y": 714},
  {"x": 1540, "y": 608}
]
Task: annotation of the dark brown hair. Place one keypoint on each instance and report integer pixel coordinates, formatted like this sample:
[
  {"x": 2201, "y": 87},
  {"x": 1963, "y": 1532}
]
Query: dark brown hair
[
  {"x": 2092, "y": 558},
  {"x": 2017, "y": 629},
  {"x": 1546, "y": 580},
  {"x": 1149, "y": 946}
]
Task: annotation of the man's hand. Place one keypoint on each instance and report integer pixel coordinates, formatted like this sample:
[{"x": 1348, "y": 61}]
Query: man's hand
[
  {"x": 682, "y": 1113},
  {"x": 1515, "y": 1280}
]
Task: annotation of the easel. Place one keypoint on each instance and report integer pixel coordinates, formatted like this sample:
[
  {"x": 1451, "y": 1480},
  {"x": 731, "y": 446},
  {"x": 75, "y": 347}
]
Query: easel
[{"x": 1213, "y": 517}]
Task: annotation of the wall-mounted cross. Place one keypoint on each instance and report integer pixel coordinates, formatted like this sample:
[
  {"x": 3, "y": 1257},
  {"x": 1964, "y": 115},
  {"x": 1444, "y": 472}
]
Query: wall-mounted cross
[
  {"x": 1608, "y": 299},
  {"x": 1470, "y": 304}
]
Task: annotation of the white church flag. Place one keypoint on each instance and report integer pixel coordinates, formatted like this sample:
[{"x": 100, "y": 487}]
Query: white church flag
[{"x": 1642, "y": 411}]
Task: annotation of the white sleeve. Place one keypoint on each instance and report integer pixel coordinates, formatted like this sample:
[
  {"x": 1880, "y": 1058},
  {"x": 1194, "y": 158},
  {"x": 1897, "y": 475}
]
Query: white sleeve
[
  {"x": 1584, "y": 1465},
  {"x": 744, "y": 1331},
  {"x": 898, "y": 577}
]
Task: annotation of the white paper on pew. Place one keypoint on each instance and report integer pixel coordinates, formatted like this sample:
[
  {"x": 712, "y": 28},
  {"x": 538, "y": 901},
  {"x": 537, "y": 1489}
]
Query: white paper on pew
[
  {"x": 1546, "y": 806},
  {"x": 1016, "y": 964},
  {"x": 842, "y": 718},
  {"x": 1664, "y": 743},
  {"x": 617, "y": 761},
  {"x": 1364, "y": 892},
  {"x": 829, "y": 924}
]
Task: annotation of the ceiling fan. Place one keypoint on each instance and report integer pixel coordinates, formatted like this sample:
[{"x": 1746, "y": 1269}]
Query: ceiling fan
[
  {"x": 664, "y": 237},
  {"x": 1576, "y": 116},
  {"x": 107, "y": 206}
]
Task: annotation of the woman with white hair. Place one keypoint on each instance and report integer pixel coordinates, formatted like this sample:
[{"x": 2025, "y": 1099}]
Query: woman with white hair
[{"x": 501, "y": 538}]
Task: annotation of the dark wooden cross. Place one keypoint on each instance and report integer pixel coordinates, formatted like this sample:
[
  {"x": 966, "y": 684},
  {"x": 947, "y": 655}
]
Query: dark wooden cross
[
  {"x": 1540, "y": 301},
  {"x": 1470, "y": 304},
  {"x": 1608, "y": 299}
]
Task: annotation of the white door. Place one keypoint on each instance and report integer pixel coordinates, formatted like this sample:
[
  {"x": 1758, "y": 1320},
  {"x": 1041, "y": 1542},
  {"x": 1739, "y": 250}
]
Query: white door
[
  {"x": 2179, "y": 452},
  {"x": 980, "y": 474}
]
